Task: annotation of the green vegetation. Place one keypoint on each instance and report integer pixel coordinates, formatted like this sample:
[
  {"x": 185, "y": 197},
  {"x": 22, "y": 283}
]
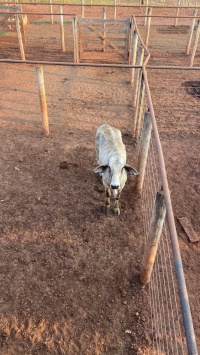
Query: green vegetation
[
  {"x": 86, "y": 2},
  {"x": 48, "y": 22}
]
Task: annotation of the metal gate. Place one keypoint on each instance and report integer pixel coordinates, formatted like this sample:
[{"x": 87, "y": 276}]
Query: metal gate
[{"x": 102, "y": 40}]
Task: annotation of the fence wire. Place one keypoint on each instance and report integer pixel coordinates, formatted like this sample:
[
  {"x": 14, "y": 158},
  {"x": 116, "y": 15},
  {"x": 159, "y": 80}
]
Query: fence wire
[{"x": 167, "y": 327}]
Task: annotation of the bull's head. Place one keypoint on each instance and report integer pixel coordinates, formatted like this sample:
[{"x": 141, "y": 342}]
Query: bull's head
[{"x": 115, "y": 172}]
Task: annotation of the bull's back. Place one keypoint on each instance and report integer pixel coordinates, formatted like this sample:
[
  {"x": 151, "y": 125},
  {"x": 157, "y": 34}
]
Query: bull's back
[{"x": 109, "y": 142}]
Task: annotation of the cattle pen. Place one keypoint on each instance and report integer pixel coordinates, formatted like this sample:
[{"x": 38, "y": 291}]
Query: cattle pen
[{"x": 171, "y": 326}]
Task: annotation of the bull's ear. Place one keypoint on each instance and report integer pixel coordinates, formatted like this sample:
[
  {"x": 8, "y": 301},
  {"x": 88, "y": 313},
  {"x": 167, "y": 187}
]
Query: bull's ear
[
  {"x": 130, "y": 170},
  {"x": 100, "y": 169}
]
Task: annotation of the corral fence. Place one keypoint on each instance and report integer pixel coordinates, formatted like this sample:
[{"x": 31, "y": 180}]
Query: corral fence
[
  {"x": 98, "y": 35},
  {"x": 160, "y": 232},
  {"x": 162, "y": 260}
]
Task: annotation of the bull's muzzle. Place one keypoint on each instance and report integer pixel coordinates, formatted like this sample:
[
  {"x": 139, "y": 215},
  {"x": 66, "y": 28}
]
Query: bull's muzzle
[{"x": 114, "y": 187}]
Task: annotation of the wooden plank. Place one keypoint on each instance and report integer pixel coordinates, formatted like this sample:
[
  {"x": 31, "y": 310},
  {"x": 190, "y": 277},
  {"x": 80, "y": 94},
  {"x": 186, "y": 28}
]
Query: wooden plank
[
  {"x": 8, "y": 39},
  {"x": 99, "y": 56},
  {"x": 98, "y": 47},
  {"x": 94, "y": 38},
  {"x": 97, "y": 43},
  {"x": 193, "y": 237},
  {"x": 108, "y": 29},
  {"x": 113, "y": 34},
  {"x": 107, "y": 41}
]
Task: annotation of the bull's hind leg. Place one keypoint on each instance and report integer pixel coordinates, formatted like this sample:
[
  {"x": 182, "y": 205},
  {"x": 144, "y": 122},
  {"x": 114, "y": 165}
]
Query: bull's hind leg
[
  {"x": 106, "y": 207},
  {"x": 117, "y": 205}
]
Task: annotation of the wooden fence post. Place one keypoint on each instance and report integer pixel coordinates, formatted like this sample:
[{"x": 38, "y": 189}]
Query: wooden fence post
[
  {"x": 19, "y": 35},
  {"x": 146, "y": 13},
  {"x": 82, "y": 9},
  {"x": 104, "y": 27},
  {"x": 22, "y": 21},
  {"x": 42, "y": 96},
  {"x": 139, "y": 107},
  {"x": 196, "y": 39},
  {"x": 51, "y": 11},
  {"x": 157, "y": 220},
  {"x": 75, "y": 32},
  {"x": 115, "y": 9},
  {"x": 144, "y": 148},
  {"x": 134, "y": 45},
  {"x": 191, "y": 32},
  {"x": 149, "y": 13},
  {"x": 139, "y": 61},
  {"x": 177, "y": 13},
  {"x": 62, "y": 33}
]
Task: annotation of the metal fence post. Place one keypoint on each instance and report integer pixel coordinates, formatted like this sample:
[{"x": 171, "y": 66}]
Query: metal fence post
[
  {"x": 196, "y": 39},
  {"x": 157, "y": 220},
  {"x": 62, "y": 33},
  {"x": 144, "y": 148},
  {"x": 41, "y": 87},
  {"x": 191, "y": 32}
]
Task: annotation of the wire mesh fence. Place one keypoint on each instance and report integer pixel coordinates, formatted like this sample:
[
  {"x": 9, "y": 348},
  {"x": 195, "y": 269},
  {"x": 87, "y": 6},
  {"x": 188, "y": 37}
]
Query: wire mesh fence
[
  {"x": 167, "y": 328},
  {"x": 167, "y": 325}
]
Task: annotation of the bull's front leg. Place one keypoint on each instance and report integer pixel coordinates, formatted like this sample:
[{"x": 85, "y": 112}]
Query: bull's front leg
[
  {"x": 117, "y": 204},
  {"x": 106, "y": 207}
]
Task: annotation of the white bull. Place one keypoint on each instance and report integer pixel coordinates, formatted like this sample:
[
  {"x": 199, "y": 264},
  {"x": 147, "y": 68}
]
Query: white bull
[{"x": 111, "y": 155}]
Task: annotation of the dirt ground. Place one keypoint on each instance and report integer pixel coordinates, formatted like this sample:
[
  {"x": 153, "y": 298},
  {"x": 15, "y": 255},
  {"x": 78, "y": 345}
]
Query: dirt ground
[{"x": 69, "y": 274}]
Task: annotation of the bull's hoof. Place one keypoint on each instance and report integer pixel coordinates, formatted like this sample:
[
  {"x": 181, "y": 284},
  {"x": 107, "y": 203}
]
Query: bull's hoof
[
  {"x": 116, "y": 211},
  {"x": 106, "y": 209}
]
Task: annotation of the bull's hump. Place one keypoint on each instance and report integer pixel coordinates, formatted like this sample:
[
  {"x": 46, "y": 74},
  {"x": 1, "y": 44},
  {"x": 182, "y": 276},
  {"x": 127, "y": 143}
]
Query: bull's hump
[
  {"x": 112, "y": 136},
  {"x": 112, "y": 133}
]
